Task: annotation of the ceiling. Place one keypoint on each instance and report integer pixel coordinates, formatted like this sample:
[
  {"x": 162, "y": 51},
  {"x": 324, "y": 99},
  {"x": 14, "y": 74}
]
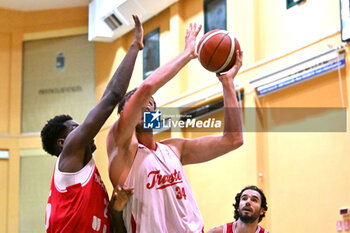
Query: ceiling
[{"x": 32, "y": 5}]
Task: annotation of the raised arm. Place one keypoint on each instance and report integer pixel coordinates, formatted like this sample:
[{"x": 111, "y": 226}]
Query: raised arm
[
  {"x": 206, "y": 148},
  {"x": 120, "y": 80},
  {"x": 74, "y": 146},
  {"x": 121, "y": 140},
  {"x": 132, "y": 113}
]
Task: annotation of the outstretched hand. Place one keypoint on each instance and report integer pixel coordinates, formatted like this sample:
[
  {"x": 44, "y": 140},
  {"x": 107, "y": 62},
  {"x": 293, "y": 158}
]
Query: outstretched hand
[
  {"x": 234, "y": 70},
  {"x": 190, "y": 39},
  {"x": 120, "y": 197},
  {"x": 138, "y": 37}
]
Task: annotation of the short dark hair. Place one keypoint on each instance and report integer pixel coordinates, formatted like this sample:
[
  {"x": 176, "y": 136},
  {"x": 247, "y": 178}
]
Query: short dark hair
[
  {"x": 53, "y": 130},
  {"x": 126, "y": 97},
  {"x": 238, "y": 199}
]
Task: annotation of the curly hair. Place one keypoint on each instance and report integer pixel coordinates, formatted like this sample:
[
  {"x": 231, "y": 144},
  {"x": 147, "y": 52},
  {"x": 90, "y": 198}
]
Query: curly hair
[
  {"x": 238, "y": 199},
  {"x": 127, "y": 97},
  {"x": 52, "y": 131}
]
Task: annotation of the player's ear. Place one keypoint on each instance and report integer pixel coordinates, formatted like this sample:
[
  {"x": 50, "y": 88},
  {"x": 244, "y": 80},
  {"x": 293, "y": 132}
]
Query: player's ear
[
  {"x": 262, "y": 211},
  {"x": 60, "y": 142}
]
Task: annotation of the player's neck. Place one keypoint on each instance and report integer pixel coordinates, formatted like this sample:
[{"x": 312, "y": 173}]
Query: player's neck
[
  {"x": 242, "y": 227},
  {"x": 146, "y": 139}
]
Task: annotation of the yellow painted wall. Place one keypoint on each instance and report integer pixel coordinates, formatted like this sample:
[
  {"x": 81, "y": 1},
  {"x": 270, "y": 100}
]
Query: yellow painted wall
[
  {"x": 14, "y": 27},
  {"x": 305, "y": 175},
  {"x": 5, "y": 87},
  {"x": 4, "y": 194}
]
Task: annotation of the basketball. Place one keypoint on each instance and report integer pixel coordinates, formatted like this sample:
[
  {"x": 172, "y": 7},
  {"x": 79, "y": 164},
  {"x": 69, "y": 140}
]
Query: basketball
[{"x": 217, "y": 50}]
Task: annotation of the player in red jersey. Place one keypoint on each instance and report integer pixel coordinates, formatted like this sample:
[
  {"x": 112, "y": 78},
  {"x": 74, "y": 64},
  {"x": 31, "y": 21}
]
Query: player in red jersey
[
  {"x": 78, "y": 201},
  {"x": 250, "y": 208}
]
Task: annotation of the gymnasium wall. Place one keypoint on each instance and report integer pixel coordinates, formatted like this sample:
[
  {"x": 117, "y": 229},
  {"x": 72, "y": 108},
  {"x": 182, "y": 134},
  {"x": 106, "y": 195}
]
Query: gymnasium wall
[
  {"x": 15, "y": 27},
  {"x": 305, "y": 175}
]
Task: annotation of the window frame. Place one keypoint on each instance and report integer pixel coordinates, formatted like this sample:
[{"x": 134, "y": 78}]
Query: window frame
[
  {"x": 206, "y": 15},
  {"x": 291, "y": 3},
  {"x": 146, "y": 39}
]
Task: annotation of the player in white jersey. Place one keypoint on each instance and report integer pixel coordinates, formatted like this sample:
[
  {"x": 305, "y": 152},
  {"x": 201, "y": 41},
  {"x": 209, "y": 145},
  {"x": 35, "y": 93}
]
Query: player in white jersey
[
  {"x": 163, "y": 201},
  {"x": 250, "y": 209},
  {"x": 158, "y": 177}
]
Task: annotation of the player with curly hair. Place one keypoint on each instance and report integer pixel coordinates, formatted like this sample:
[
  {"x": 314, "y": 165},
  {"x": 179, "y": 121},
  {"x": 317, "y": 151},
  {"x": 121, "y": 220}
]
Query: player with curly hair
[
  {"x": 250, "y": 209},
  {"x": 78, "y": 200}
]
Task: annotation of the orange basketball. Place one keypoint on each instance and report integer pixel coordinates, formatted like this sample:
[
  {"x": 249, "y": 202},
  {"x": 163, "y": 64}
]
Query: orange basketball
[{"x": 217, "y": 50}]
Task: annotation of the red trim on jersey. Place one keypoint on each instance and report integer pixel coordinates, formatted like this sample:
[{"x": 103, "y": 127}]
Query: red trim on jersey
[
  {"x": 229, "y": 227},
  {"x": 133, "y": 224},
  {"x": 156, "y": 146}
]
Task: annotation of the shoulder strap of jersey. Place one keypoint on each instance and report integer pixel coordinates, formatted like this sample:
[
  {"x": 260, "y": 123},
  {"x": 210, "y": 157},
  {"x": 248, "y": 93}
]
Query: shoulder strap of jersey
[
  {"x": 262, "y": 230},
  {"x": 229, "y": 227}
]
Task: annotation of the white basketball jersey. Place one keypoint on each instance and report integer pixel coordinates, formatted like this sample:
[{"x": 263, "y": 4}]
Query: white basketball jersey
[{"x": 163, "y": 201}]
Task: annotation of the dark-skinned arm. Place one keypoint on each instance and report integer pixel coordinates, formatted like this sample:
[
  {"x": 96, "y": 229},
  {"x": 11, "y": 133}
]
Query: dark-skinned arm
[
  {"x": 75, "y": 148},
  {"x": 117, "y": 203}
]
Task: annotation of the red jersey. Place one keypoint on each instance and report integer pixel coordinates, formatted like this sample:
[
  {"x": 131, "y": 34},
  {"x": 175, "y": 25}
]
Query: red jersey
[
  {"x": 78, "y": 202},
  {"x": 230, "y": 228}
]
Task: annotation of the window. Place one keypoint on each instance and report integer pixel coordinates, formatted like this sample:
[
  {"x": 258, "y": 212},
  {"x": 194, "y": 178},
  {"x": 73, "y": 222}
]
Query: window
[
  {"x": 345, "y": 20},
  {"x": 214, "y": 15},
  {"x": 150, "y": 52},
  {"x": 291, "y": 3}
]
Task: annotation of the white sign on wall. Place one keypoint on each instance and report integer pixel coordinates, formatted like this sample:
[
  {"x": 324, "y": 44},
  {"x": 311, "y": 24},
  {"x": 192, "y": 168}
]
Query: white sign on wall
[{"x": 4, "y": 154}]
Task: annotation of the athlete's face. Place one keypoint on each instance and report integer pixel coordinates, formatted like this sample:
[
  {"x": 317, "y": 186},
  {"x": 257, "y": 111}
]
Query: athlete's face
[
  {"x": 250, "y": 206},
  {"x": 149, "y": 108},
  {"x": 72, "y": 125}
]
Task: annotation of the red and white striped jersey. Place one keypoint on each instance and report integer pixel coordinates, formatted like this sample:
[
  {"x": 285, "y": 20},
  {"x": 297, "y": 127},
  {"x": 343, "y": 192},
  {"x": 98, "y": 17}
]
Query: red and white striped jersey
[
  {"x": 163, "y": 201},
  {"x": 78, "y": 202}
]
